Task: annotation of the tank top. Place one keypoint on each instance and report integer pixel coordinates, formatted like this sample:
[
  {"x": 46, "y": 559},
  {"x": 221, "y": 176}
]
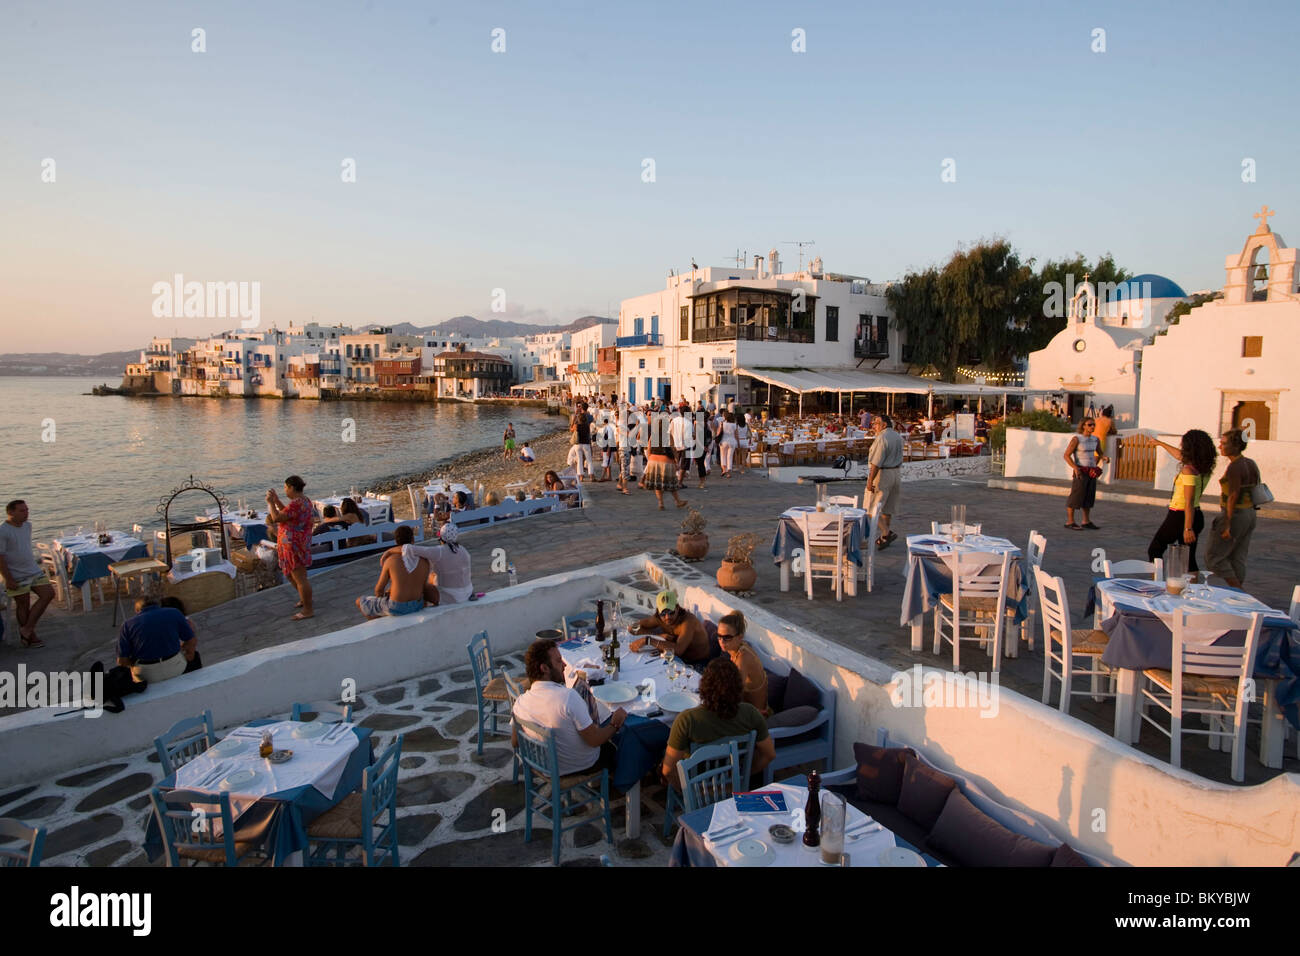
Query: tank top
[
  {"x": 1086, "y": 451},
  {"x": 1196, "y": 482}
]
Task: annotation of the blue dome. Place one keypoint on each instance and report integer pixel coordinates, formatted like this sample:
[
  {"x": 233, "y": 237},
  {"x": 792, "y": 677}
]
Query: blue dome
[{"x": 1160, "y": 288}]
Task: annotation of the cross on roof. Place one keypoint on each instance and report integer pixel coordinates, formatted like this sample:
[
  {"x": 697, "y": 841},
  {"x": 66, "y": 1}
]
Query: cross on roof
[{"x": 1263, "y": 216}]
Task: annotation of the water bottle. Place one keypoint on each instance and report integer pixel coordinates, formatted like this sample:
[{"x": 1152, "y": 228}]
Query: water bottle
[{"x": 514, "y": 575}]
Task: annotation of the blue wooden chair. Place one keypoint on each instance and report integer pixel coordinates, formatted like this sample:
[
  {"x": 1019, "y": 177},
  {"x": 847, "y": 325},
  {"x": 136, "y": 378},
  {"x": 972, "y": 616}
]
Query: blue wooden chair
[
  {"x": 33, "y": 837},
  {"x": 541, "y": 761},
  {"x": 326, "y": 711},
  {"x": 200, "y": 844},
  {"x": 514, "y": 690},
  {"x": 574, "y": 622},
  {"x": 744, "y": 745},
  {"x": 358, "y": 819},
  {"x": 489, "y": 691},
  {"x": 184, "y": 741}
]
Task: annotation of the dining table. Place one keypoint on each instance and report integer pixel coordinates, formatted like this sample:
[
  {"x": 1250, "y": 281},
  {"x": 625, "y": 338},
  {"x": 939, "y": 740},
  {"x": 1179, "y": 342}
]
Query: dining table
[
  {"x": 789, "y": 537},
  {"x": 377, "y": 510},
  {"x": 85, "y": 559},
  {"x": 928, "y": 576},
  {"x": 645, "y": 675},
  {"x": 1137, "y": 616},
  {"x": 327, "y": 764},
  {"x": 709, "y": 836},
  {"x": 249, "y": 526}
]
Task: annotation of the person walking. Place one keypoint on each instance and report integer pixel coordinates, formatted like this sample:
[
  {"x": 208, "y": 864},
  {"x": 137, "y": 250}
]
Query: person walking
[
  {"x": 661, "y": 470},
  {"x": 1225, "y": 553},
  {"x": 293, "y": 543},
  {"x": 727, "y": 443},
  {"x": 580, "y": 438},
  {"x": 883, "y": 479},
  {"x": 1184, "y": 521},
  {"x": 1082, "y": 455}
]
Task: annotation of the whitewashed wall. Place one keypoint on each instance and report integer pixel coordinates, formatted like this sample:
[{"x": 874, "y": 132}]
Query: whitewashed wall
[
  {"x": 1279, "y": 466},
  {"x": 1041, "y": 454}
]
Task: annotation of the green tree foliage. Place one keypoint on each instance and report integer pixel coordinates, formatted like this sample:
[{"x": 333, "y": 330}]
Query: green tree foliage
[{"x": 1182, "y": 308}]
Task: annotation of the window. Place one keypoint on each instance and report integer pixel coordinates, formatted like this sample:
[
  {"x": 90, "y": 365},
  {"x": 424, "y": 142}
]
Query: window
[
  {"x": 701, "y": 361},
  {"x": 638, "y": 326},
  {"x": 661, "y": 363},
  {"x": 640, "y": 363},
  {"x": 654, "y": 325},
  {"x": 684, "y": 332},
  {"x": 832, "y": 323},
  {"x": 1252, "y": 346}
]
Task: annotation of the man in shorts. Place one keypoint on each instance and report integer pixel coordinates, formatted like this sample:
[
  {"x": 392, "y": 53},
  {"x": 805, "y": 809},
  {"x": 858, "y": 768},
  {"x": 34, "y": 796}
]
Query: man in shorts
[
  {"x": 883, "y": 480},
  {"x": 405, "y": 588},
  {"x": 22, "y": 574}
]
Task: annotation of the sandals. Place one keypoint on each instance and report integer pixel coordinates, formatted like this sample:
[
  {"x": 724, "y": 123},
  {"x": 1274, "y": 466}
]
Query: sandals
[
  {"x": 32, "y": 641},
  {"x": 885, "y": 541},
  {"x": 301, "y": 617},
  {"x": 1090, "y": 526},
  {"x": 1073, "y": 527}
]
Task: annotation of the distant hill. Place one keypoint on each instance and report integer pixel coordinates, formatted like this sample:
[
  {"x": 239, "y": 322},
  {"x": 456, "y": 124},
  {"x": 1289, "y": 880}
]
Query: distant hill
[
  {"x": 107, "y": 364},
  {"x": 471, "y": 327}
]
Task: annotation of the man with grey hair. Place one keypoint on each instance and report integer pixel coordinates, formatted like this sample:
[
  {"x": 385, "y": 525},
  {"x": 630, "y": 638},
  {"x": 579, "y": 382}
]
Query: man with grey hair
[{"x": 883, "y": 480}]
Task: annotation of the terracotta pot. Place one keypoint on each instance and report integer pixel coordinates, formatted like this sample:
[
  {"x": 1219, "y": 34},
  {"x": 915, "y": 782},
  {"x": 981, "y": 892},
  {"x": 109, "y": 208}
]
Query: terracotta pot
[
  {"x": 693, "y": 545},
  {"x": 736, "y": 577}
]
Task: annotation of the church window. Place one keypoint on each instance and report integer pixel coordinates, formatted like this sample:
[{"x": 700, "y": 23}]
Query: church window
[{"x": 1252, "y": 346}]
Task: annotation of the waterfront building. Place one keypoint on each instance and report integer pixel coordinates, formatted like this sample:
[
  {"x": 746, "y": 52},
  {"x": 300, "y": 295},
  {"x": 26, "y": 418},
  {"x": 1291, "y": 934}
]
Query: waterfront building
[
  {"x": 360, "y": 352},
  {"x": 586, "y": 372},
  {"x": 469, "y": 375}
]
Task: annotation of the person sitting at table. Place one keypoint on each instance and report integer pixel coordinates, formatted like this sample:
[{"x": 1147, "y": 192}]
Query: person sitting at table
[
  {"x": 731, "y": 637},
  {"x": 722, "y": 713},
  {"x": 449, "y": 566},
  {"x": 405, "y": 586},
  {"x": 352, "y": 514},
  {"x": 582, "y": 744},
  {"x": 332, "y": 521},
  {"x": 157, "y": 643},
  {"x": 441, "y": 508},
  {"x": 685, "y": 633}
]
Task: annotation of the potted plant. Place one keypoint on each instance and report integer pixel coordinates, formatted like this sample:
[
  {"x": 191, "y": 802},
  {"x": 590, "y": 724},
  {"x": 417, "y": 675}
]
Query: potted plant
[
  {"x": 737, "y": 571},
  {"x": 693, "y": 543}
]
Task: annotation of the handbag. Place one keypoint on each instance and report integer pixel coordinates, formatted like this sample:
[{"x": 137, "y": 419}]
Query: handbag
[{"x": 1261, "y": 495}]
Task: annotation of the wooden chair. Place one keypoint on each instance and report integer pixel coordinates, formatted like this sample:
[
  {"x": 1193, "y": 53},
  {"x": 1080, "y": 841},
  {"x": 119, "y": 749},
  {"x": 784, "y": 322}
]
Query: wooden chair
[
  {"x": 189, "y": 829},
  {"x": 978, "y": 601},
  {"x": 849, "y": 501},
  {"x": 33, "y": 837},
  {"x": 489, "y": 691},
  {"x": 1034, "y": 559},
  {"x": 744, "y": 760},
  {"x": 184, "y": 741},
  {"x": 823, "y": 550},
  {"x": 1054, "y": 608},
  {"x": 551, "y": 796},
  {"x": 1208, "y": 680},
  {"x": 358, "y": 820}
]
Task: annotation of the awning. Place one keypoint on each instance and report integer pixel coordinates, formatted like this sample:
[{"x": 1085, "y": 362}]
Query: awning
[{"x": 803, "y": 380}]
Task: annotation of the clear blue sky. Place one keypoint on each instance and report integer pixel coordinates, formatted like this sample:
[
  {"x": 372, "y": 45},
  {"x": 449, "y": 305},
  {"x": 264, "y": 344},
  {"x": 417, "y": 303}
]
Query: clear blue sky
[{"x": 522, "y": 170}]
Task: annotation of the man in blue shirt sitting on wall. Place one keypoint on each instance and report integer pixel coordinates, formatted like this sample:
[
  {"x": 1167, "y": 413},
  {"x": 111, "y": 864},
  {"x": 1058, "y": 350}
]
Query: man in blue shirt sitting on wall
[{"x": 157, "y": 644}]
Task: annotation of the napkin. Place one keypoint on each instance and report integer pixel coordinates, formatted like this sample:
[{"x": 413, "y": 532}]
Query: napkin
[{"x": 725, "y": 814}]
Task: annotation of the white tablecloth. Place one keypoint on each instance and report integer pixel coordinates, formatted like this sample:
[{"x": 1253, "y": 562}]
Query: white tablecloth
[
  {"x": 89, "y": 544},
  {"x": 225, "y": 567},
  {"x": 1200, "y": 599},
  {"x": 634, "y": 668}
]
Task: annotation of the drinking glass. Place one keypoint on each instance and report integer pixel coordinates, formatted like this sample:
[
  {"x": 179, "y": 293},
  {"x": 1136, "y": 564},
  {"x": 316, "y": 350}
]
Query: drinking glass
[
  {"x": 958, "y": 526},
  {"x": 1175, "y": 568},
  {"x": 832, "y": 828}
]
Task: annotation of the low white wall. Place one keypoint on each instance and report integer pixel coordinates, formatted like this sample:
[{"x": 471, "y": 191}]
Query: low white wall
[
  {"x": 1279, "y": 466},
  {"x": 40, "y": 743},
  {"x": 1042, "y": 454}
]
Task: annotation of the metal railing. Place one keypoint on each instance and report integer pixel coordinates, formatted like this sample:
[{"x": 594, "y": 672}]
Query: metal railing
[{"x": 637, "y": 341}]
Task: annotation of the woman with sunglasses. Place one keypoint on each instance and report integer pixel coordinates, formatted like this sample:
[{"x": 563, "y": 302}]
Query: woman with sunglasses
[
  {"x": 1082, "y": 455},
  {"x": 731, "y": 637}
]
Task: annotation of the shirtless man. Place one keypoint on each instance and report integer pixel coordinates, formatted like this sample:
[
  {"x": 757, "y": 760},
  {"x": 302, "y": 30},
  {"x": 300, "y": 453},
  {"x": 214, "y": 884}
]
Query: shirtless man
[
  {"x": 676, "y": 628},
  {"x": 405, "y": 588}
]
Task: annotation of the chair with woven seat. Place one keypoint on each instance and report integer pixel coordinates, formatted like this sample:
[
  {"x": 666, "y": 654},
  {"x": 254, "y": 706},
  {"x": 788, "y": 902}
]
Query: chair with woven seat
[
  {"x": 489, "y": 691},
  {"x": 697, "y": 761},
  {"x": 849, "y": 501},
  {"x": 184, "y": 741},
  {"x": 1062, "y": 644},
  {"x": 549, "y": 794},
  {"x": 1209, "y": 680},
  {"x": 514, "y": 690},
  {"x": 823, "y": 550},
  {"x": 20, "y": 855},
  {"x": 357, "y": 821},
  {"x": 189, "y": 828},
  {"x": 325, "y": 711},
  {"x": 1033, "y": 560},
  {"x": 1155, "y": 570},
  {"x": 978, "y": 601}
]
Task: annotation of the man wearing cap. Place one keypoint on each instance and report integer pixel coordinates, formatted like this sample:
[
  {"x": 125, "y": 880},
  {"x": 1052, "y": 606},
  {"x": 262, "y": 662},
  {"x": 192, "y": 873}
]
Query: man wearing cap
[{"x": 682, "y": 631}]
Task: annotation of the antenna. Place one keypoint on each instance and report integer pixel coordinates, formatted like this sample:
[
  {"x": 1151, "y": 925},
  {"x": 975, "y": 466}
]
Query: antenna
[
  {"x": 737, "y": 259},
  {"x": 795, "y": 242}
]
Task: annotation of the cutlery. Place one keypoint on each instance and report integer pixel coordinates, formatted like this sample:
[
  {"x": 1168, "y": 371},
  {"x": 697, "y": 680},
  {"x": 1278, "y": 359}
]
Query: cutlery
[
  {"x": 731, "y": 838},
  {"x": 715, "y": 834},
  {"x": 214, "y": 774}
]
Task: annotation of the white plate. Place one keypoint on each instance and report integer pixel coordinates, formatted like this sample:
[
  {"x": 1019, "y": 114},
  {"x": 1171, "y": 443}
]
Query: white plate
[
  {"x": 615, "y": 693},
  {"x": 229, "y": 747},
  {"x": 674, "y": 702},
  {"x": 313, "y": 728},
  {"x": 238, "y": 778},
  {"x": 900, "y": 856},
  {"x": 751, "y": 852}
]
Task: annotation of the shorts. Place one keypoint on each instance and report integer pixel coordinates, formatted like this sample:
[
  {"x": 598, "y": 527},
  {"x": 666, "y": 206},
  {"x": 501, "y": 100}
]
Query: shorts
[
  {"x": 25, "y": 587},
  {"x": 889, "y": 488},
  {"x": 1083, "y": 491},
  {"x": 510, "y": 444},
  {"x": 386, "y": 606}
]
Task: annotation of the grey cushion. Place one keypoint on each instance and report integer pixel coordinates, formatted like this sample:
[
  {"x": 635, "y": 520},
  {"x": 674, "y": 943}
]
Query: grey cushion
[
  {"x": 1066, "y": 855},
  {"x": 775, "y": 691},
  {"x": 880, "y": 772},
  {"x": 973, "y": 838},
  {"x": 924, "y": 792},
  {"x": 794, "y": 717},
  {"x": 800, "y": 691}
]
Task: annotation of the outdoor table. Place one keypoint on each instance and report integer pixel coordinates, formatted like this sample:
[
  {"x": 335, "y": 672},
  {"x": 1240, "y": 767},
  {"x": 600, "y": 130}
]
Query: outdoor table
[
  {"x": 928, "y": 577},
  {"x": 131, "y": 568},
  {"x": 645, "y": 738},
  {"x": 789, "y": 535},
  {"x": 1138, "y": 617},
  {"x": 317, "y": 777},
  {"x": 86, "y": 559},
  {"x": 441, "y": 488},
  {"x": 239, "y": 525},
  {"x": 691, "y": 848}
]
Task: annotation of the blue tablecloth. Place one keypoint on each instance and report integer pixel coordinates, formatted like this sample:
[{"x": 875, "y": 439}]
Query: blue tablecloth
[
  {"x": 790, "y": 536},
  {"x": 253, "y": 533},
  {"x": 94, "y": 564},
  {"x": 301, "y": 804},
  {"x": 1139, "y": 639},
  {"x": 428, "y": 504},
  {"x": 927, "y": 577}
]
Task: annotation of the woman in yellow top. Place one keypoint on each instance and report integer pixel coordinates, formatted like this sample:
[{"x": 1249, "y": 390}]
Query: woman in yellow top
[
  {"x": 1184, "y": 520},
  {"x": 731, "y": 635}
]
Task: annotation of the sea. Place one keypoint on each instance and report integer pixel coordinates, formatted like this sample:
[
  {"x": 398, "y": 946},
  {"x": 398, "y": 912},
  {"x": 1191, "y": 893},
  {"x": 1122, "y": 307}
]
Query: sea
[{"x": 78, "y": 458}]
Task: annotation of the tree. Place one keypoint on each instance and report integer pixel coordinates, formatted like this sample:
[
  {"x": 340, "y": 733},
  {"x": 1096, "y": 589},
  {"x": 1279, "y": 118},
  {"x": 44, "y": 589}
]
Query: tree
[
  {"x": 1059, "y": 281},
  {"x": 1182, "y": 308}
]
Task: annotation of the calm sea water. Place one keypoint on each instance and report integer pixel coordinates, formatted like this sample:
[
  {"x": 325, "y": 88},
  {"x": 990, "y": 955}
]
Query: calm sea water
[{"x": 113, "y": 458}]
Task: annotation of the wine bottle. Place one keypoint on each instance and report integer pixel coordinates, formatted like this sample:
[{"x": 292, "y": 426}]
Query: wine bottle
[
  {"x": 600, "y": 620},
  {"x": 813, "y": 811}
]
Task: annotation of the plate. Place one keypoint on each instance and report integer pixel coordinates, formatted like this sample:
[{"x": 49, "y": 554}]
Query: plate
[
  {"x": 550, "y": 634},
  {"x": 615, "y": 693},
  {"x": 230, "y": 746},
  {"x": 751, "y": 852},
  {"x": 674, "y": 702},
  {"x": 238, "y": 778},
  {"x": 313, "y": 728},
  {"x": 280, "y": 756},
  {"x": 900, "y": 856},
  {"x": 1243, "y": 602}
]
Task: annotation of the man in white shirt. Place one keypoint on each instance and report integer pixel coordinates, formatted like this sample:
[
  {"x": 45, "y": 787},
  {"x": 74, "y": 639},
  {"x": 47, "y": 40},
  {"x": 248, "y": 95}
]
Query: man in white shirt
[
  {"x": 22, "y": 574},
  {"x": 579, "y": 741}
]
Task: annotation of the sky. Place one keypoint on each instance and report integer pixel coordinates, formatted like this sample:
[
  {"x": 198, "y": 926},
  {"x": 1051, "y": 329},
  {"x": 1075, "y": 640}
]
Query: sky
[{"x": 524, "y": 169}]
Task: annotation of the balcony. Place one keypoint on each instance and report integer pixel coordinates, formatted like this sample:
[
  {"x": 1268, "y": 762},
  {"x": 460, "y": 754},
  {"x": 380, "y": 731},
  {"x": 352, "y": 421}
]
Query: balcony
[
  {"x": 644, "y": 340},
  {"x": 586, "y": 366},
  {"x": 607, "y": 367},
  {"x": 871, "y": 348},
  {"x": 751, "y": 333}
]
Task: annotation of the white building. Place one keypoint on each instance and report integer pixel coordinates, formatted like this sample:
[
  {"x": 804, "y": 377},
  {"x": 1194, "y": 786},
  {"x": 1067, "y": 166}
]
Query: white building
[
  {"x": 689, "y": 339},
  {"x": 592, "y": 370}
]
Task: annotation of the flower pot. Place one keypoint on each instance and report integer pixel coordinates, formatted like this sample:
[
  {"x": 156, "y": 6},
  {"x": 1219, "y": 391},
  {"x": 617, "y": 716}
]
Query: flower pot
[
  {"x": 733, "y": 576},
  {"x": 693, "y": 546}
]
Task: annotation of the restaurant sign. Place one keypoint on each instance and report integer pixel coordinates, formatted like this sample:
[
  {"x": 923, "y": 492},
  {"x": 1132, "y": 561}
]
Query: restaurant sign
[{"x": 723, "y": 363}]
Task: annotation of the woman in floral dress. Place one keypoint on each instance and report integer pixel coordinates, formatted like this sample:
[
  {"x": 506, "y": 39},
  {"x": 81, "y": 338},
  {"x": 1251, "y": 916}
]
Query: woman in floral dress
[{"x": 293, "y": 548}]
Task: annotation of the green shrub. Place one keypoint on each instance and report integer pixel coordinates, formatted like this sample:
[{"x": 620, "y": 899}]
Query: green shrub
[{"x": 1039, "y": 421}]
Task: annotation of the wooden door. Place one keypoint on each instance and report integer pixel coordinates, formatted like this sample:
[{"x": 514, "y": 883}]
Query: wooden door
[
  {"x": 1136, "y": 458},
  {"x": 1256, "y": 412}
]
